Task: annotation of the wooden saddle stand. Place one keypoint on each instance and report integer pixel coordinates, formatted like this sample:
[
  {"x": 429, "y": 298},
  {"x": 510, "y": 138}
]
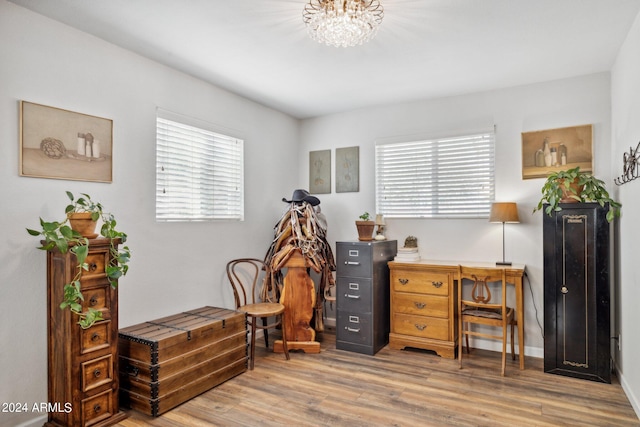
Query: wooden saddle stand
[{"x": 299, "y": 299}]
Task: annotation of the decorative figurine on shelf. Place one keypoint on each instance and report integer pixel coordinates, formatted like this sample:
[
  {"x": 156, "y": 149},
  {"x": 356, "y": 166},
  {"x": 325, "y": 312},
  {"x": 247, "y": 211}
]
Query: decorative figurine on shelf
[
  {"x": 381, "y": 224},
  {"x": 408, "y": 253},
  {"x": 411, "y": 242}
]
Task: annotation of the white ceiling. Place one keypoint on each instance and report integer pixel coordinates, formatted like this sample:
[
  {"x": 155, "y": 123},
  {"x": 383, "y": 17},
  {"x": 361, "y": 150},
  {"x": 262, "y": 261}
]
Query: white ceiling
[{"x": 424, "y": 48}]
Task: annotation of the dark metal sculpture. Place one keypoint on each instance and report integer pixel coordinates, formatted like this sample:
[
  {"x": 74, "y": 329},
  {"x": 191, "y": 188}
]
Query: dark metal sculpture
[{"x": 630, "y": 166}]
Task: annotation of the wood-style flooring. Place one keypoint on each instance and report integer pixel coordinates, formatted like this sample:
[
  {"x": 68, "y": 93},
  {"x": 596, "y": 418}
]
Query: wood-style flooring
[{"x": 397, "y": 388}]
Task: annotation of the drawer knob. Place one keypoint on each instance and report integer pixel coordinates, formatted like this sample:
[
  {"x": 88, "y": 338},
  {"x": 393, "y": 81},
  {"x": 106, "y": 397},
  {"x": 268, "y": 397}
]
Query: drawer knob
[
  {"x": 564, "y": 290},
  {"x": 420, "y": 327},
  {"x": 403, "y": 281},
  {"x": 419, "y": 305},
  {"x": 93, "y": 266},
  {"x": 97, "y": 408},
  {"x": 93, "y": 301},
  {"x": 97, "y": 373},
  {"x": 436, "y": 284},
  {"x": 95, "y": 337}
]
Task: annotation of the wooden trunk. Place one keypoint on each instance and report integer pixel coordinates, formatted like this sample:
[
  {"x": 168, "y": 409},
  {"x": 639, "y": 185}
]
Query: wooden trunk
[{"x": 168, "y": 361}]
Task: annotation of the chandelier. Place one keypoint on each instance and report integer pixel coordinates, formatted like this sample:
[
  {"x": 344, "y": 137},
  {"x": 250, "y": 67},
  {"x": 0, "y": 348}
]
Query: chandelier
[{"x": 342, "y": 23}]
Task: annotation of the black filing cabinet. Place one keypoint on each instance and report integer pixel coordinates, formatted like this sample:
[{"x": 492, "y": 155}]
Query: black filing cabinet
[
  {"x": 577, "y": 253},
  {"x": 362, "y": 295}
]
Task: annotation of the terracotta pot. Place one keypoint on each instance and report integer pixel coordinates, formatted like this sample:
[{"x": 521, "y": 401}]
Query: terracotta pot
[
  {"x": 567, "y": 194},
  {"x": 83, "y": 224},
  {"x": 365, "y": 230}
]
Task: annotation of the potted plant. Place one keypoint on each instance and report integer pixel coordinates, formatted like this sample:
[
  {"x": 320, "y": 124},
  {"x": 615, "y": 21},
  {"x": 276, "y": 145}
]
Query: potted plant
[
  {"x": 573, "y": 186},
  {"x": 64, "y": 236},
  {"x": 365, "y": 227}
]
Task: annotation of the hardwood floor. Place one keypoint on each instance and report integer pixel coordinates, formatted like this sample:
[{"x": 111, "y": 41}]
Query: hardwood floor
[{"x": 398, "y": 388}]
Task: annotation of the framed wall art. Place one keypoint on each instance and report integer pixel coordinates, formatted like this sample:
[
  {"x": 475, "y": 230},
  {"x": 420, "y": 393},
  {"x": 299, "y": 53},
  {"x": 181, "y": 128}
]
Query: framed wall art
[
  {"x": 546, "y": 151},
  {"x": 320, "y": 172},
  {"x": 62, "y": 144},
  {"x": 347, "y": 170}
]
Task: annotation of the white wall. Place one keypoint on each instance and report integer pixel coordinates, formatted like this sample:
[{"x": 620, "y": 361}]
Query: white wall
[
  {"x": 569, "y": 102},
  {"x": 174, "y": 266},
  {"x": 625, "y": 114}
]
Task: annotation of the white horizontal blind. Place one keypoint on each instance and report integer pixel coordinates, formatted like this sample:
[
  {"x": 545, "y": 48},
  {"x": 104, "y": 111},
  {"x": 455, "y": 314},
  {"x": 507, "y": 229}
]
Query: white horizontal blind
[
  {"x": 199, "y": 174},
  {"x": 437, "y": 178}
]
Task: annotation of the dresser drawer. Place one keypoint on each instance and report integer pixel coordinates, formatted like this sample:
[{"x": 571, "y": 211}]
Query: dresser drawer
[
  {"x": 421, "y": 326},
  {"x": 353, "y": 294},
  {"x": 96, "y": 337},
  {"x": 97, "y": 372},
  {"x": 354, "y": 260},
  {"x": 421, "y": 304},
  {"x": 420, "y": 282},
  {"x": 97, "y": 408},
  {"x": 355, "y": 328},
  {"x": 96, "y": 265},
  {"x": 98, "y": 298}
]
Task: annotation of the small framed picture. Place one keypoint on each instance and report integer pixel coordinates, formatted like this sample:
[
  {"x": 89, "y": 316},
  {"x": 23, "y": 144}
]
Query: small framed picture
[
  {"x": 320, "y": 172},
  {"x": 62, "y": 144},
  {"x": 546, "y": 151},
  {"x": 347, "y": 170}
]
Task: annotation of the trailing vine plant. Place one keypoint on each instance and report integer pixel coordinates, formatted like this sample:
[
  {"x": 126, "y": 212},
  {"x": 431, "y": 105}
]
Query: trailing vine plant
[{"x": 59, "y": 235}]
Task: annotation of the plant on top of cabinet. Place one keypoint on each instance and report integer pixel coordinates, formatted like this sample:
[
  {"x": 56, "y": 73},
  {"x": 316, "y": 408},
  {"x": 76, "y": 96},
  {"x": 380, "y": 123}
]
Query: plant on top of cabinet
[
  {"x": 575, "y": 186},
  {"x": 67, "y": 235},
  {"x": 365, "y": 227}
]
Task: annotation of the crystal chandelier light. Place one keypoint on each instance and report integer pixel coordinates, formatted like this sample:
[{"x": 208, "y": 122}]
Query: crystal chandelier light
[{"x": 342, "y": 23}]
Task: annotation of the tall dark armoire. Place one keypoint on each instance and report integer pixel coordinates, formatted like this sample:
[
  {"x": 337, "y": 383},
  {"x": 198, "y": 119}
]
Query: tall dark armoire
[{"x": 577, "y": 252}]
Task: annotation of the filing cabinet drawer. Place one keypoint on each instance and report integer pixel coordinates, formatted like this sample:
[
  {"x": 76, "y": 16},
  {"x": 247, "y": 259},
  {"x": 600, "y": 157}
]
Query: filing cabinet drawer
[
  {"x": 354, "y": 328},
  {"x": 421, "y": 326},
  {"x": 421, "y": 304},
  {"x": 354, "y": 261},
  {"x": 354, "y": 294},
  {"x": 420, "y": 282}
]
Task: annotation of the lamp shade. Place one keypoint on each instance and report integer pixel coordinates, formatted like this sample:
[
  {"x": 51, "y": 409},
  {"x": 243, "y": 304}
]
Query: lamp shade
[
  {"x": 504, "y": 212},
  {"x": 380, "y": 220}
]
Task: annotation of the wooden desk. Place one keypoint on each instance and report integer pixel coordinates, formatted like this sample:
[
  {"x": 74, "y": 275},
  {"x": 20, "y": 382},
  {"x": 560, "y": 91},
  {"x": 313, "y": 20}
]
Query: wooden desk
[{"x": 430, "y": 322}]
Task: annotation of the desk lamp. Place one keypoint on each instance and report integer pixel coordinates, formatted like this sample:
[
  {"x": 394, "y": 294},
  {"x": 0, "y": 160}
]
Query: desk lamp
[{"x": 504, "y": 212}]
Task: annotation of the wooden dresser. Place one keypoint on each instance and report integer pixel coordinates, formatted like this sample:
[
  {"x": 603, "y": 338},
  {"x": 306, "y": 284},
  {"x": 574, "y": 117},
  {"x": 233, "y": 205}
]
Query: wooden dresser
[
  {"x": 83, "y": 371},
  {"x": 423, "y": 307},
  {"x": 424, "y": 304}
]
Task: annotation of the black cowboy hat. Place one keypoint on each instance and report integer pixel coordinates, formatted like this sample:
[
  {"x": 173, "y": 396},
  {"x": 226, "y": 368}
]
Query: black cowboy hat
[{"x": 302, "y": 196}]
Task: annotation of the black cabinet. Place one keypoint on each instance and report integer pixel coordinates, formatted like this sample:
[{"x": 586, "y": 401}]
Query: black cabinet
[
  {"x": 577, "y": 251},
  {"x": 362, "y": 295}
]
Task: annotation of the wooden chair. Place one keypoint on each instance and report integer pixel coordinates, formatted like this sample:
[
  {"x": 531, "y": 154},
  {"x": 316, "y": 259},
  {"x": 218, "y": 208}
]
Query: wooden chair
[
  {"x": 243, "y": 274},
  {"x": 479, "y": 307}
]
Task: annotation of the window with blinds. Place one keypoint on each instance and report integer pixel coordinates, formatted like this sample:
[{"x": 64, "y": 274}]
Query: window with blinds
[
  {"x": 436, "y": 178},
  {"x": 199, "y": 173}
]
